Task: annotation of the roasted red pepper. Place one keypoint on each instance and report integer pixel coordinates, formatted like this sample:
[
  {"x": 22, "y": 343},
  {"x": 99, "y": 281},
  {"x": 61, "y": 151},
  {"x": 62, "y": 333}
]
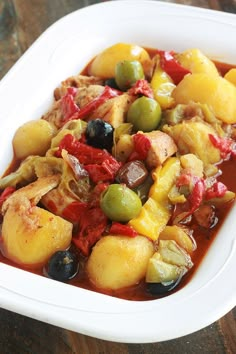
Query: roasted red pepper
[
  {"x": 225, "y": 145},
  {"x": 74, "y": 211},
  {"x": 105, "y": 172},
  {"x": 197, "y": 195},
  {"x": 91, "y": 226},
  {"x": 121, "y": 229},
  {"x": 172, "y": 67},
  {"x": 141, "y": 87},
  {"x": 89, "y": 219},
  {"x": 197, "y": 191},
  {"x": 100, "y": 165},
  {"x": 84, "y": 153},
  {"x": 217, "y": 190},
  {"x": 68, "y": 106},
  {"x": 142, "y": 145},
  {"x": 94, "y": 104}
]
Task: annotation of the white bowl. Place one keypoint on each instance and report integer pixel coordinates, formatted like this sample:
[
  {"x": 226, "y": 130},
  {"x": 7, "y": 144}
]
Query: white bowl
[{"x": 27, "y": 91}]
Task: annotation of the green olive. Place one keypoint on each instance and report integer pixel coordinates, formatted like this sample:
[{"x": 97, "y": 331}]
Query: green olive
[
  {"x": 119, "y": 203},
  {"x": 144, "y": 114},
  {"x": 127, "y": 72}
]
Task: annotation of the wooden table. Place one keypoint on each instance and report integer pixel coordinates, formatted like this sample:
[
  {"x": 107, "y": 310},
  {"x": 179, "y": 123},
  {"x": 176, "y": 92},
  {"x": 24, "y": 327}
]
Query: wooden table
[{"x": 24, "y": 22}]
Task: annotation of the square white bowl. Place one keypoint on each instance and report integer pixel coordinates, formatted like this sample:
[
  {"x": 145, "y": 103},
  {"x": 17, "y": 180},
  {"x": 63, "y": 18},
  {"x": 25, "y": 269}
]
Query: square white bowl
[{"x": 27, "y": 91}]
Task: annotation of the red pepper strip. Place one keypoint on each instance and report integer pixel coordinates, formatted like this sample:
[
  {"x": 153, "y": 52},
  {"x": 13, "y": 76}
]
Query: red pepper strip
[
  {"x": 171, "y": 66},
  {"x": 94, "y": 104},
  {"x": 68, "y": 106},
  {"x": 91, "y": 227},
  {"x": 105, "y": 172},
  {"x": 100, "y": 165},
  {"x": 225, "y": 145},
  {"x": 196, "y": 197},
  {"x": 74, "y": 211},
  {"x": 5, "y": 194},
  {"x": 141, "y": 87},
  {"x": 217, "y": 190},
  {"x": 121, "y": 229},
  {"x": 142, "y": 145},
  {"x": 84, "y": 153}
]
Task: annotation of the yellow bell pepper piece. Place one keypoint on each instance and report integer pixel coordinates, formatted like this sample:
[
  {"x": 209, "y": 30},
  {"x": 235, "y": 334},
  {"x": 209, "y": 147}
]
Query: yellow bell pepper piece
[
  {"x": 162, "y": 86},
  {"x": 156, "y": 212}
]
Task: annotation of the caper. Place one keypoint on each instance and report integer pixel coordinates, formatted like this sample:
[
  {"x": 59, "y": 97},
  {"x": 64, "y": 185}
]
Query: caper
[
  {"x": 127, "y": 72},
  {"x": 120, "y": 203},
  {"x": 144, "y": 114}
]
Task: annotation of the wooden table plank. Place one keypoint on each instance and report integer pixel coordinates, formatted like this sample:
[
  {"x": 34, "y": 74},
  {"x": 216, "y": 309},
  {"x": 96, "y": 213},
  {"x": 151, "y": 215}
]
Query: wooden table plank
[{"x": 27, "y": 19}]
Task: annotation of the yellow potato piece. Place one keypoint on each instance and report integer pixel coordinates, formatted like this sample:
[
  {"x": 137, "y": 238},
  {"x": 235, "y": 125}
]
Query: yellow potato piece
[
  {"x": 31, "y": 236},
  {"x": 195, "y": 61},
  {"x": 33, "y": 138},
  {"x": 218, "y": 93},
  {"x": 119, "y": 261},
  {"x": 231, "y": 76},
  {"x": 104, "y": 63}
]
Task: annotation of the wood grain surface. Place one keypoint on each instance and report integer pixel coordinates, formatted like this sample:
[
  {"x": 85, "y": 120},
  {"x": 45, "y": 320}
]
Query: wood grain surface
[{"x": 22, "y": 22}]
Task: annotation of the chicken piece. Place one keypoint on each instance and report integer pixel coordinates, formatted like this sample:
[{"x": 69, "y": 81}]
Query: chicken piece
[
  {"x": 162, "y": 147},
  {"x": 76, "y": 81},
  {"x": 193, "y": 137},
  {"x": 54, "y": 115},
  {"x": 114, "y": 110},
  {"x": 86, "y": 94}
]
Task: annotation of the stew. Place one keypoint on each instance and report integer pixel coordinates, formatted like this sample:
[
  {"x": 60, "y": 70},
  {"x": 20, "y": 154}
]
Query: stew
[{"x": 125, "y": 182}]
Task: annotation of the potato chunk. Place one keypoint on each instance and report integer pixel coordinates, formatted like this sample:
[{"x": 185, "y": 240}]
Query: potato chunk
[
  {"x": 195, "y": 61},
  {"x": 33, "y": 138},
  {"x": 34, "y": 235},
  {"x": 30, "y": 234},
  {"x": 218, "y": 93},
  {"x": 104, "y": 64},
  {"x": 119, "y": 261}
]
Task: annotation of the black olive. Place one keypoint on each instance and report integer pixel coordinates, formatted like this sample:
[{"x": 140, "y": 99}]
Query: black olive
[
  {"x": 112, "y": 83},
  {"x": 161, "y": 288},
  {"x": 99, "y": 134},
  {"x": 62, "y": 266}
]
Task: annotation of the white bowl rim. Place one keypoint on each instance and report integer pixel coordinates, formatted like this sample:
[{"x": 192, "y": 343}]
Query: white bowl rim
[{"x": 195, "y": 306}]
